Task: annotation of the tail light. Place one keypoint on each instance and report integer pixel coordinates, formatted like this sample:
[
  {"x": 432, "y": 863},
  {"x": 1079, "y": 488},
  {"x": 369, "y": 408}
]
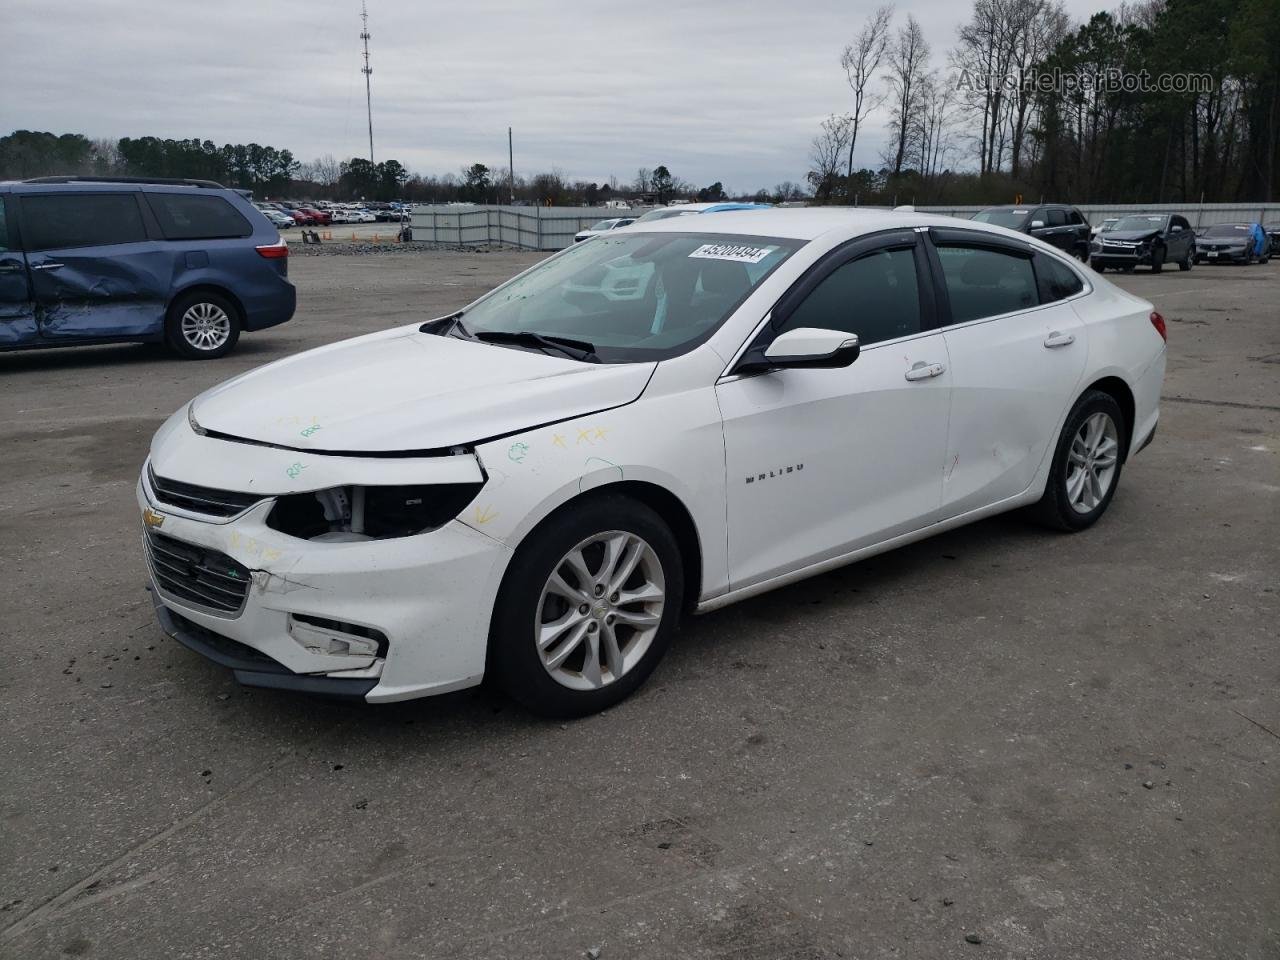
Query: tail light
[
  {"x": 1157, "y": 321},
  {"x": 280, "y": 249}
]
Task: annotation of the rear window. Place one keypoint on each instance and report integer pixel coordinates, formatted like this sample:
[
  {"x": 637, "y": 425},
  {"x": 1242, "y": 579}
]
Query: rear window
[
  {"x": 187, "y": 217},
  {"x": 1013, "y": 219},
  {"x": 55, "y": 221}
]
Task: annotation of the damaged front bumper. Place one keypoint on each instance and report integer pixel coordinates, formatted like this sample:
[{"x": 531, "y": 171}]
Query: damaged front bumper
[{"x": 381, "y": 620}]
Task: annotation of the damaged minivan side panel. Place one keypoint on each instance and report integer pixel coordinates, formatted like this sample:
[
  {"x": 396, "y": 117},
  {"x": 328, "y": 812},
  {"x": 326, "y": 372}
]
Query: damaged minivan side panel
[{"x": 94, "y": 270}]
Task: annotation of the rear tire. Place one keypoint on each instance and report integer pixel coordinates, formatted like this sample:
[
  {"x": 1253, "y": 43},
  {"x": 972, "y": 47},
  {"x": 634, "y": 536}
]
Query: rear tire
[
  {"x": 202, "y": 326},
  {"x": 1086, "y": 464},
  {"x": 565, "y": 640}
]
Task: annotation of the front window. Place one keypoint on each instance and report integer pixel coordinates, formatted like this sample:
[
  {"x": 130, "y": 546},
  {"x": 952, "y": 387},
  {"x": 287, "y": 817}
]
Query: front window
[
  {"x": 1140, "y": 223},
  {"x": 633, "y": 296},
  {"x": 1235, "y": 231},
  {"x": 1013, "y": 219}
]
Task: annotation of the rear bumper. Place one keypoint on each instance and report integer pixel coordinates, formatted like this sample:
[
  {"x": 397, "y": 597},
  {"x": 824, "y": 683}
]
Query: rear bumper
[{"x": 270, "y": 310}]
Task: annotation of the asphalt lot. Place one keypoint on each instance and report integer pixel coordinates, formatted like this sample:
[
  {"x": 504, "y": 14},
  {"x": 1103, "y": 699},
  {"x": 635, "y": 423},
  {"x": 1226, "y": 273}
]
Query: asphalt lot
[{"x": 1066, "y": 745}]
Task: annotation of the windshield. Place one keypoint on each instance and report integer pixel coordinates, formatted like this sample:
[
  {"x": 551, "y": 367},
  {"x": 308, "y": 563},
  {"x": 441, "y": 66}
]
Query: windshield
[
  {"x": 1002, "y": 218},
  {"x": 602, "y": 225},
  {"x": 663, "y": 215},
  {"x": 1138, "y": 223},
  {"x": 633, "y": 296},
  {"x": 1239, "y": 230}
]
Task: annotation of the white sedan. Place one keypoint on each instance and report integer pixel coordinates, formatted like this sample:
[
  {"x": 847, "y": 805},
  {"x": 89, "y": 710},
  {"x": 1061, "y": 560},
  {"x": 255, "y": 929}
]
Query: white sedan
[
  {"x": 602, "y": 226},
  {"x": 667, "y": 419}
]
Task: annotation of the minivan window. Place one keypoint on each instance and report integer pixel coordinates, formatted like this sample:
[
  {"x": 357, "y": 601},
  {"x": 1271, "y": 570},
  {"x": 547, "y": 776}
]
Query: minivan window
[
  {"x": 876, "y": 296},
  {"x": 55, "y": 221},
  {"x": 985, "y": 283},
  {"x": 186, "y": 217}
]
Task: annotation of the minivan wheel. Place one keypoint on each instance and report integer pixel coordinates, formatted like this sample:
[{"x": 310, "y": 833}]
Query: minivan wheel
[
  {"x": 202, "y": 326},
  {"x": 1086, "y": 465},
  {"x": 587, "y": 609}
]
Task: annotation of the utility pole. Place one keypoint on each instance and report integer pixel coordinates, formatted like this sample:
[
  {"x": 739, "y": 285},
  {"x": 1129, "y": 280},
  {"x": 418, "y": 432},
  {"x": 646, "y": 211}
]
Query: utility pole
[
  {"x": 367, "y": 70},
  {"x": 511, "y": 167}
]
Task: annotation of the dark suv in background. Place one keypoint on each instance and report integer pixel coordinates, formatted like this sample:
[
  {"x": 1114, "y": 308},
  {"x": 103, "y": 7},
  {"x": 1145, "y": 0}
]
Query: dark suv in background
[
  {"x": 1055, "y": 223},
  {"x": 91, "y": 260}
]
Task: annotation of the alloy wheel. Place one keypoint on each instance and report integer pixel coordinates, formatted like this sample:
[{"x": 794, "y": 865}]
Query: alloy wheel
[
  {"x": 206, "y": 326},
  {"x": 599, "y": 610},
  {"x": 1091, "y": 462}
]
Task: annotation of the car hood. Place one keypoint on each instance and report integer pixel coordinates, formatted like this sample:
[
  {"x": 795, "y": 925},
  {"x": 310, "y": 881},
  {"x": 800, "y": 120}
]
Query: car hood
[
  {"x": 1233, "y": 240},
  {"x": 1128, "y": 236},
  {"x": 404, "y": 390}
]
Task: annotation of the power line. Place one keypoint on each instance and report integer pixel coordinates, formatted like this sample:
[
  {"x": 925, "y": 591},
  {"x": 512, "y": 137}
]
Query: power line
[{"x": 367, "y": 71}]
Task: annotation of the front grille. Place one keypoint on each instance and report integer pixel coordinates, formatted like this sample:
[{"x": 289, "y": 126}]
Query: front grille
[
  {"x": 196, "y": 575},
  {"x": 206, "y": 500}
]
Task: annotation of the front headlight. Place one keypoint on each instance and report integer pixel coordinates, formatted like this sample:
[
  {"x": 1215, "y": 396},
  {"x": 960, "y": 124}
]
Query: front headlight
[{"x": 348, "y": 514}]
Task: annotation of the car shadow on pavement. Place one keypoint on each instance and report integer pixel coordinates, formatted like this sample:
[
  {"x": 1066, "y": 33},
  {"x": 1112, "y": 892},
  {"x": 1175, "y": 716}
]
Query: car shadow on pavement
[{"x": 118, "y": 355}]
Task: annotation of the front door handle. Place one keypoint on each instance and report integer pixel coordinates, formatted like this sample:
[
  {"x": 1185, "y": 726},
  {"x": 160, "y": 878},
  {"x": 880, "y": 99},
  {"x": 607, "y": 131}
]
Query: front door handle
[
  {"x": 1057, "y": 339},
  {"x": 924, "y": 371},
  {"x": 47, "y": 266}
]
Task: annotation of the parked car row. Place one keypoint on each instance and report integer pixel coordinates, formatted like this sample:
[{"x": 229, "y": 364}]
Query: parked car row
[
  {"x": 1139, "y": 240},
  {"x": 290, "y": 213}
]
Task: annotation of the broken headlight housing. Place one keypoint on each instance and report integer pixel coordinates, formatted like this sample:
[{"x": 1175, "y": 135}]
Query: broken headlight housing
[{"x": 349, "y": 514}]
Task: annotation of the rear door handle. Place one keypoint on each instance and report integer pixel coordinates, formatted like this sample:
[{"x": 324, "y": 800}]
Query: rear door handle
[
  {"x": 47, "y": 266},
  {"x": 924, "y": 371},
  {"x": 1057, "y": 339}
]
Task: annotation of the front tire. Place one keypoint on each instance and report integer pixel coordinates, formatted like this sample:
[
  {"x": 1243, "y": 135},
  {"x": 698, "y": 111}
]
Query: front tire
[
  {"x": 1086, "y": 464},
  {"x": 1157, "y": 259},
  {"x": 1185, "y": 263},
  {"x": 587, "y": 608},
  {"x": 202, "y": 326}
]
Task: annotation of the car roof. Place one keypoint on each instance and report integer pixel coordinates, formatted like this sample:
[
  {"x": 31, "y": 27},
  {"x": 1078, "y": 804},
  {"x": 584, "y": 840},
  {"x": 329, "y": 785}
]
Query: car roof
[{"x": 809, "y": 223}]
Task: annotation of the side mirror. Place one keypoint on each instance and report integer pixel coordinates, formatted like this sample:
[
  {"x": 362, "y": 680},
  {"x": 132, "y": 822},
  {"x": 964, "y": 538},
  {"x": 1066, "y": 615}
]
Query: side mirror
[
  {"x": 1037, "y": 224},
  {"x": 803, "y": 347},
  {"x": 1176, "y": 228}
]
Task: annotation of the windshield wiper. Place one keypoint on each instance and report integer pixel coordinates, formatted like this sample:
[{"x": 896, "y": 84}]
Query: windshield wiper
[{"x": 573, "y": 349}]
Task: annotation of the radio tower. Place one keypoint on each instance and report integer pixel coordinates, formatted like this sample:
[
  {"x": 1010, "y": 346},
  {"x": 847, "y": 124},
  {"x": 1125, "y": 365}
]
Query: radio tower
[{"x": 367, "y": 70}]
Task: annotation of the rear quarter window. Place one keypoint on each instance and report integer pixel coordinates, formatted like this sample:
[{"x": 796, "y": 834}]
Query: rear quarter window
[
  {"x": 187, "y": 217},
  {"x": 1057, "y": 280}
]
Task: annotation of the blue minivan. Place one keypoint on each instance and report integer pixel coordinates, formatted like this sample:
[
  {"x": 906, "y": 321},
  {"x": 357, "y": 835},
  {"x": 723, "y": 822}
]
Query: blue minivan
[{"x": 188, "y": 263}]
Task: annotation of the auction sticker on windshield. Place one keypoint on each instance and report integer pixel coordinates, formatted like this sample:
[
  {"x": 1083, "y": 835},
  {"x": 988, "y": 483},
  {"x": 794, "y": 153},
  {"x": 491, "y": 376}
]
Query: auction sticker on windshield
[{"x": 729, "y": 251}]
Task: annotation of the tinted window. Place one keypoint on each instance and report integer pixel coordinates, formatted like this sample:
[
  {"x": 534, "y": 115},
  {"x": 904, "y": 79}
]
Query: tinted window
[
  {"x": 4, "y": 228},
  {"x": 984, "y": 283},
  {"x": 54, "y": 221},
  {"x": 1057, "y": 218},
  {"x": 1075, "y": 216},
  {"x": 1057, "y": 280},
  {"x": 875, "y": 296},
  {"x": 1002, "y": 217},
  {"x": 1181, "y": 222},
  {"x": 186, "y": 217}
]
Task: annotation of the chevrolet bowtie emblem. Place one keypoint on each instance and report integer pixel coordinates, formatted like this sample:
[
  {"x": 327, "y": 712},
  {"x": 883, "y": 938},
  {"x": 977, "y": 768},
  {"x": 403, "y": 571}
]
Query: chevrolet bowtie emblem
[{"x": 152, "y": 519}]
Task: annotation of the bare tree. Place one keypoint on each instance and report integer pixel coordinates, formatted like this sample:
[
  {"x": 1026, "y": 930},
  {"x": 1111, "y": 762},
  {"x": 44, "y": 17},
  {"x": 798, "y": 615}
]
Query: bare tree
[
  {"x": 861, "y": 60},
  {"x": 908, "y": 63},
  {"x": 826, "y": 154}
]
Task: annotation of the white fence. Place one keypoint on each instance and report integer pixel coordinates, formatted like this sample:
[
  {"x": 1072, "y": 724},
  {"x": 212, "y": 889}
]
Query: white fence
[
  {"x": 533, "y": 228},
  {"x": 1200, "y": 214},
  {"x": 552, "y": 228}
]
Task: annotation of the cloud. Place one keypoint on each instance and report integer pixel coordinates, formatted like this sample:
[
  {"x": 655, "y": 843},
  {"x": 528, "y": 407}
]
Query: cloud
[{"x": 716, "y": 91}]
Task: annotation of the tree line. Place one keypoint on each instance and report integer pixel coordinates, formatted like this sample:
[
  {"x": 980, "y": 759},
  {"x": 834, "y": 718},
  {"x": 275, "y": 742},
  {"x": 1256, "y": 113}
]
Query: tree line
[
  {"x": 272, "y": 173},
  {"x": 1155, "y": 101}
]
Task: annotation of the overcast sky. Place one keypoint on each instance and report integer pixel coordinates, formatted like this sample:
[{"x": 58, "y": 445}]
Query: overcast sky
[{"x": 729, "y": 91}]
